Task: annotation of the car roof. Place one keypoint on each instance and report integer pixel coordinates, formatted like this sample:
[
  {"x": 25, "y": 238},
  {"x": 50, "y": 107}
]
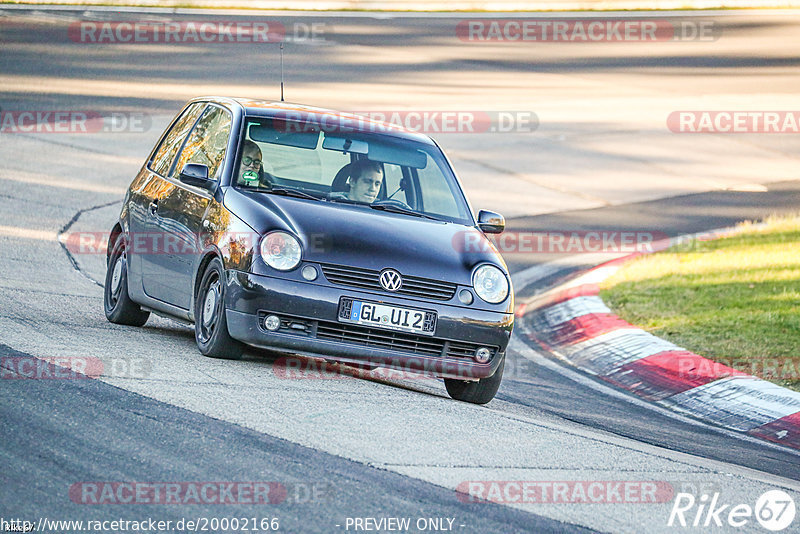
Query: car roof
[{"x": 317, "y": 115}]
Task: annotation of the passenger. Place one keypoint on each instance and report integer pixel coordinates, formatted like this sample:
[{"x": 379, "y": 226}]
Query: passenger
[
  {"x": 366, "y": 178},
  {"x": 251, "y": 170}
]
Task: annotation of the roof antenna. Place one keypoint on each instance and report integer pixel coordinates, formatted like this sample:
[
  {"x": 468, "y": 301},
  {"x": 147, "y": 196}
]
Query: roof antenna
[{"x": 281, "y": 72}]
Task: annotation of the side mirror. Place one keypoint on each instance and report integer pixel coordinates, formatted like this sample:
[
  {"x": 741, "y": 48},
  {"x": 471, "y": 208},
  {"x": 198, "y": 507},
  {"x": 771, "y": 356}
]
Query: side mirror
[
  {"x": 196, "y": 174},
  {"x": 490, "y": 222}
]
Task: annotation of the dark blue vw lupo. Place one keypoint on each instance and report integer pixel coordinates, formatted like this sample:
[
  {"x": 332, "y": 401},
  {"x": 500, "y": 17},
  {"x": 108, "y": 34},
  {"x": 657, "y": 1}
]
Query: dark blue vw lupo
[{"x": 250, "y": 219}]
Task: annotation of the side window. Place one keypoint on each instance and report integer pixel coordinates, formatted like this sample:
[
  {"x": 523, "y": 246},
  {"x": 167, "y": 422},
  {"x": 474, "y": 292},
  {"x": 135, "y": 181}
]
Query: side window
[
  {"x": 393, "y": 174},
  {"x": 207, "y": 142},
  {"x": 166, "y": 153}
]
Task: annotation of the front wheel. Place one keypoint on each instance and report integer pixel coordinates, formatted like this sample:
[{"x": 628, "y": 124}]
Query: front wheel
[
  {"x": 210, "y": 324},
  {"x": 479, "y": 392},
  {"x": 117, "y": 304}
]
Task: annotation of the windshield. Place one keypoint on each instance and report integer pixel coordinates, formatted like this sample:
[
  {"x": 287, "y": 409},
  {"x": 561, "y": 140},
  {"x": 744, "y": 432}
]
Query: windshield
[{"x": 362, "y": 169}]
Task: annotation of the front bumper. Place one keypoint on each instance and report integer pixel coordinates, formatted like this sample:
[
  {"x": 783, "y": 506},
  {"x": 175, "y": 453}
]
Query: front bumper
[{"x": 315, "y": 307}]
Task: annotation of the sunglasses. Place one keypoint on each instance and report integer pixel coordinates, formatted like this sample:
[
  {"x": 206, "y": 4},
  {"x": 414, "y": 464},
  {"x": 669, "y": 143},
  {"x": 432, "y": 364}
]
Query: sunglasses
[{"x": 247, "y": 160}]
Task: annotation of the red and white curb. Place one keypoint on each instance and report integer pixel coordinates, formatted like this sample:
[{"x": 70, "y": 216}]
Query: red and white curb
[{"x": 573, "y": 323}]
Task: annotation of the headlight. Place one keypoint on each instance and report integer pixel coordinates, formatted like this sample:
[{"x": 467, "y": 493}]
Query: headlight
[
  {"x": 280, "y": 251},
  {"x": 490, "y": 284}
]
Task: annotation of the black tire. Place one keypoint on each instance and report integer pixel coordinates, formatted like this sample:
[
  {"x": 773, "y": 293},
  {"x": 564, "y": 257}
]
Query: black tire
[
  {"x": 119, "y": 307},
  {"x": 479, "y": 392},
  {"x": 210, "y": 324}
]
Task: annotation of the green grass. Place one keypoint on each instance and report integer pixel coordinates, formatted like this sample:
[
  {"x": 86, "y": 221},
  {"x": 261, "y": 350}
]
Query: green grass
[{"x": 735, "y": 300}]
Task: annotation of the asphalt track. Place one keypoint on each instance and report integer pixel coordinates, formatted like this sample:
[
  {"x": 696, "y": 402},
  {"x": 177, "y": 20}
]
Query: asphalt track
[
  {"x": 115, "y": 438},
  {"x": 374, "y": 448}
]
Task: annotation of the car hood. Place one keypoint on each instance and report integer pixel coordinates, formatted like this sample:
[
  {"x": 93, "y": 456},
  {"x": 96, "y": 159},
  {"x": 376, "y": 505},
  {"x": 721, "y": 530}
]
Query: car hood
[{"x": 345, "y": 234}]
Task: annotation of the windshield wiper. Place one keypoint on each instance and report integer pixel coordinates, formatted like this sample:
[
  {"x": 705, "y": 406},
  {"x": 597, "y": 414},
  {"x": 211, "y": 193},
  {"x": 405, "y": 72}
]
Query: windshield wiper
[
  {"x": 291, "y": 192},
  {"x": 344, "y": 200},
  {"x": 397, "y": 209}
]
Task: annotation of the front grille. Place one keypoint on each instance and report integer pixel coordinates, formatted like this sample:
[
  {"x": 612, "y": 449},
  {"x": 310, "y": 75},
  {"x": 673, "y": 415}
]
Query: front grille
[
  {"x": 413, "y": 286},
  {"x": 376, "y": 337},
  {"x": 384, "y": 339}
]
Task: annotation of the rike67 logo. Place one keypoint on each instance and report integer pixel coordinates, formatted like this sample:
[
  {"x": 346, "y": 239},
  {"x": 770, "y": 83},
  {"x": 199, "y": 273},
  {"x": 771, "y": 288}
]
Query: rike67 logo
[{"x": 774, "y": 510}]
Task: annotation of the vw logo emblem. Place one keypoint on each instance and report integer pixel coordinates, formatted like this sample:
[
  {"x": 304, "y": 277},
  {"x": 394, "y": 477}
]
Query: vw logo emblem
[{"x": 391, "y": 280}]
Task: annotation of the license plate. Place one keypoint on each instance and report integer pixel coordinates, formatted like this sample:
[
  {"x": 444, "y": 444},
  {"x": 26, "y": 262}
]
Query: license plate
[{"x": 389, "y": 317}]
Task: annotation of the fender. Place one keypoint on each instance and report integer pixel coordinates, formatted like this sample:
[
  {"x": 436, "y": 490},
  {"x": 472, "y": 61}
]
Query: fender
[{"x": 209, "y": 253}]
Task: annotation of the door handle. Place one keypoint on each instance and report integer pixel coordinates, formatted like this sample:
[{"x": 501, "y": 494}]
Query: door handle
[{"x": 154, "y": 207}]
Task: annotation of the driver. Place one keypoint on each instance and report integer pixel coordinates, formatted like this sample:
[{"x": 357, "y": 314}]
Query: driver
[
  {"x": 251, "y": 171},
  {"x": 366, "y": 178}
]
